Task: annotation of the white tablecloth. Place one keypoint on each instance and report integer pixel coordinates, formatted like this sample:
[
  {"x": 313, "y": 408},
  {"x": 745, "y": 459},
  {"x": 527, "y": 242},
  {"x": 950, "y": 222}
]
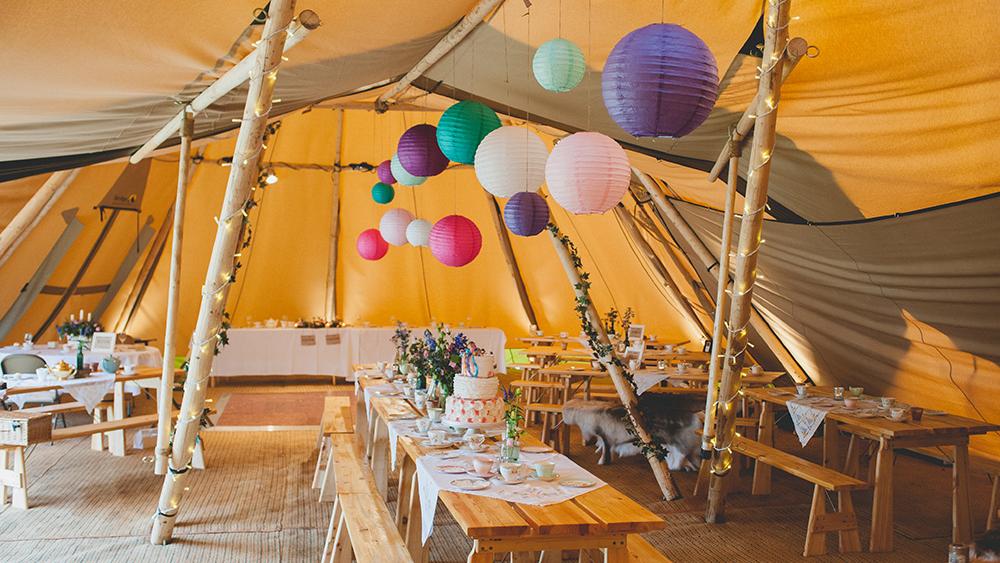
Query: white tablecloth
[
  {"x": 324, "y": 351},
  {"x": 128, "y": 355},
  {"x": 88, "y": 390}
]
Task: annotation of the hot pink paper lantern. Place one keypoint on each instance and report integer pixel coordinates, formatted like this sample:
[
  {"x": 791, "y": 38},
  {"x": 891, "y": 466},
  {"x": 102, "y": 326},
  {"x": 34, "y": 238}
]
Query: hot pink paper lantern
[
  {"x": 384, "y": 172},
  {"x": 393, "y": 225},
  {"x": 587, "y": 173},
  {"x": 455, "y": 241},
  {"x": 419, "y": 153},
  {"x": 371, "y": 245}
]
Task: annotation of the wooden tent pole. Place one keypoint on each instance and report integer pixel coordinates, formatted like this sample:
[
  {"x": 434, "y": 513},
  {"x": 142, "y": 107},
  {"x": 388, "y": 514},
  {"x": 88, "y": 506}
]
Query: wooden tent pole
[
  {"x": 220, "y": 275},
  {"x": 625, "y": 391},
  {"x": 32, "y": 213},
  {"x": 794, "y": 51},
  {"x": 632, "y": 231},
  {"x": 331, "y": 266},
  {"x": 745, "y": 271},
  {"x": 232, "y": 79},
  {"x": 165, "y": 395},
  {"x": 508, "y": 254}
]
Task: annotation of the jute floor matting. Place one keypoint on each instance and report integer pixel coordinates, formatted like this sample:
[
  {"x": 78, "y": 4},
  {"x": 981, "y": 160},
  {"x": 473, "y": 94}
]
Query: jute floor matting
[{"x": 254, "y": 503}]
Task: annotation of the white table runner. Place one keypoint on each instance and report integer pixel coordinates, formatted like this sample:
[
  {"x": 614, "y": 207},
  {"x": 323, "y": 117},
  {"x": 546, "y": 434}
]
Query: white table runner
[
  {"x": 88, "y": 390},
  {"x": 809, "y": 413},
  {"x": 408, "y": 427}
]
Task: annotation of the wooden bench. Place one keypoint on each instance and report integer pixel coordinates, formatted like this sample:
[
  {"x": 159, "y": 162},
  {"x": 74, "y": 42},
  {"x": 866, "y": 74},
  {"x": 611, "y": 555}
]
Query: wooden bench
[
  {"x": 83, "y": 430},
  {"x": 821, "y": 522},
  {"x": 336, "y": 419},
  {"x": 641, "y": 551},
  {"x": 361, "y": 528}
]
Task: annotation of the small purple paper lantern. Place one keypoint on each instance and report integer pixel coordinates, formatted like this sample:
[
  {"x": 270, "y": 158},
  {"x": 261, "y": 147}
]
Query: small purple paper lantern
[
  {"x": 660, "y": 81},
  {"x": 384, "y": 172},
  {"x": 526, "y": 214},
  {"x": 419, "y": 153}
]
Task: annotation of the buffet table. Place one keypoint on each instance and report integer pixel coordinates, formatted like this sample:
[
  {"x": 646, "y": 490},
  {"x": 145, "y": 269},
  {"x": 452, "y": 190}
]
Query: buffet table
[
  {"x": 130, "y": 355},
  {"x": 324, "y": 351}
]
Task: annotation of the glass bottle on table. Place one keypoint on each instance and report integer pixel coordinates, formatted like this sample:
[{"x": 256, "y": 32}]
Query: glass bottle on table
[{"x": 510, "y": 448}]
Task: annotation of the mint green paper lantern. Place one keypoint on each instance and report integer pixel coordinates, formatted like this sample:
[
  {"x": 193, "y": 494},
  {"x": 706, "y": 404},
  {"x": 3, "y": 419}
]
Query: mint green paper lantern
[
  {"x": 402, "y": 176},
  {"x": 558, "y": 65},
  {"x": 462, "y": 127},
  {"x": 382, "y": 193}
]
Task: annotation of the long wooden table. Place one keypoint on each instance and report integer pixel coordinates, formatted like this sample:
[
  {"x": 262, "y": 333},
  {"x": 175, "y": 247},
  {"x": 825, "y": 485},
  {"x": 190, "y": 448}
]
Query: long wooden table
[
  {"x": 931, "y": 431},
  {"x": 600, "y": 519}
]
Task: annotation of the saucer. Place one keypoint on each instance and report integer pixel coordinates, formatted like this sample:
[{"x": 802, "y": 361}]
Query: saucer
[
  {"x": 471, "y": 484},
  {"x": 535, "y": 449},
  {"x": 552, "y": 477},
  {"x": 503, "y": 482},
  {"x": 492, "y": 475},
  {"x": 434, "y": 445},
  {"x": 452, "y": 469}
]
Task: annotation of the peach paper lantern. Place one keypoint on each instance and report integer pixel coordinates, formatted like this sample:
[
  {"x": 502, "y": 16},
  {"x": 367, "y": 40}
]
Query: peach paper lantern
[
  {"x": 455, "y": 241},
  {"x": 393, "y": 225},
  {"x": 587, "y": 173}
]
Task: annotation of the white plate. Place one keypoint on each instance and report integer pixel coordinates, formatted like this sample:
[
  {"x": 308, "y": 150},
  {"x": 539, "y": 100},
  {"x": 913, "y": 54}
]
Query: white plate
[
  {"x": 433, "y": 445},
  {"x": 502, "y": 482},
  {"x": 471, "y": 484},
  {"x": 452, "y": 469},
  {"x": 493, "y": 474},
  {"x": 577, "y": 483},
  {"x": 536, "y": 449}
]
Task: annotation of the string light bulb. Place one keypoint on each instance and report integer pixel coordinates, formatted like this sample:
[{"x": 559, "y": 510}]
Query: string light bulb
[{"x": 271, "y": 177}]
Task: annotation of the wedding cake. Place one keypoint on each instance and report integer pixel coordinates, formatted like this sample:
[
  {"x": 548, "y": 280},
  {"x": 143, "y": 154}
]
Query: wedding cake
[{"x": 474, "y": 402}]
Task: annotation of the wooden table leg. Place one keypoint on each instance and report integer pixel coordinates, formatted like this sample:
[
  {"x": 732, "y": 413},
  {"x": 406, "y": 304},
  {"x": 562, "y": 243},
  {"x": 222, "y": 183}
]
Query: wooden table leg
[
  {"x": 406, "y": 471},
  {"x": 563, "y": 438},
  {"x": 476, "y": 556},
  {"x": 97, "y": 440},
  {"x": 994, "y": 515},
  {"x": 852, "y": 462},
  {"x": 380, "y": 455},
  {"x": 831, "y": 443},
  {"x": 961, "y": 516},
  {"x": 417, "y": 550},
  {"x": 765, "y": 434},
  {"x": 882, "y": 518},
  {"x": 116, "y": 438}
]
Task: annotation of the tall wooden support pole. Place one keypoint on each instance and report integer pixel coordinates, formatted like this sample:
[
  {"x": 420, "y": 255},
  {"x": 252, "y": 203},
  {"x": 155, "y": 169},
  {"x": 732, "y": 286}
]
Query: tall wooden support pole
[
  {"x": 164, "y": 398},
  {"x": 745, "y": 271},
  {"x": 508, "y": 254},
  {"x": 624, "y": 388},
  {"x": 32, "y": 213},
  {"x": 331, "y": 267},
  {"x": 632, "y": 230},
  {"x": 708, "y": 431},
  {"x": 218, "y": 278}
]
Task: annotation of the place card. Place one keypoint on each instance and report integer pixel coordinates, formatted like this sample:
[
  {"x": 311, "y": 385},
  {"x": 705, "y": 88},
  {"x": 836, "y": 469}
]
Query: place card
[
  {"x": 332, "y": 339},
  {"x": 307, "y": 339}
]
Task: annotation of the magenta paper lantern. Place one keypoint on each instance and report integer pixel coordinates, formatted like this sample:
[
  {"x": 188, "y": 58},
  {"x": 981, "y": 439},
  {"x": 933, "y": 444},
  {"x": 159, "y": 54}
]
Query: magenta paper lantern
[
  {"x": 587, "y": 173},
  {"x": 371, "y": 245},
  {"x": 455, "y": 241},
  {"x": 526, "y": 214},
  {"x": 660, "y": 81},
  {"x": 384, "y": 172},
  {"x": 419, "y": 153},
  {"x": 393, "y": 226}
]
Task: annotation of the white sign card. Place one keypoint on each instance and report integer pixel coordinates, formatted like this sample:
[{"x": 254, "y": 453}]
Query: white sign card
[{"x": 103, "y": 342}]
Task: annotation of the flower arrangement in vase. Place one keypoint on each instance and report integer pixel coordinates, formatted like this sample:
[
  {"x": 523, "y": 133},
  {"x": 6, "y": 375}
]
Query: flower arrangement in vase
[
  {"x": 513, "y": 417},
  {"x": 401, "y": 339},
  {"x": 79, "y": 331},
  {"x": 438, "y": 356}
]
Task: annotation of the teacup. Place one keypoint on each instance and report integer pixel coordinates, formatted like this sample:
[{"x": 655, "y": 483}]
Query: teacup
[
  {"x": 856, "y": 391},
  {"x": 407, "y": 390},
  {"x": 434, "y": 413},
  {"x": 661, "y": 365},
  {"x": 42, "y": 372},
  {"x": 436, "y": 436},
  {"x": 851, "y": 402},
  {"x": 801, "y": 391},
  {"x": 545, "y": 470},
  {"x": 887, "y": 402},
  {"x": 482, "y": 465},
  {"x": 838, "y": 393},
  {"x": 423, "y": 425},
  {"x": 897, "y": 414},
  {"x": 513, "y": 472},
  {"x": 669, "y": 348},
  {"x": 475, "y": 441}
]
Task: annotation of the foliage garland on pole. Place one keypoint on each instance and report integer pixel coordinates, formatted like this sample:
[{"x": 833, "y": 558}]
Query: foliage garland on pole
[{"x": 603, "y": 352}]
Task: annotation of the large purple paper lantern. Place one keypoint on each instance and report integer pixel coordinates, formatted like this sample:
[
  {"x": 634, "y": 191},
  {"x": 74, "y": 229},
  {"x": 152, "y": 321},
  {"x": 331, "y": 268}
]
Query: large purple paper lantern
[
  {"x": 419, "y": 153},
  {"x": 455, "y": 241},
  {"x": 526, "y": 214},
  {"x": 384, "y": 172},
  {"x": 660, "y": 81}
]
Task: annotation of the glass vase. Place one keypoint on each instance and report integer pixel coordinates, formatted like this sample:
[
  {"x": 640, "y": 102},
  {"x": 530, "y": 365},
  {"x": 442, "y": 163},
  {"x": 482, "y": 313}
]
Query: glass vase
[
  {"x": 79, "y": 355},
  {"x": 510, "y": 448}
]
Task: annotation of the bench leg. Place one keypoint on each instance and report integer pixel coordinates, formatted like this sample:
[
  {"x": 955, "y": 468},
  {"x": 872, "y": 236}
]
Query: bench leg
[
  {"x": 380, "y": 456},
  {"x": 343, "y": 551},
  {"x": 815, "y": 533},
  {"x": 328, "y": 488},
  {"x": 198, "y": 456},
  {"x": 762, "y": 471},
  {"x": 701, "y": 483},
  {"x": 406, "y": 471},
  {"x": 97, "y": 440},
  {"x": 848, "y": 538},
  {"x": 331, "y": 533},
  {"x": 116, "y": 438},
  {"x": 320, "y": 463},
  {"x": 994, "y": 514},
  {"x": 14, "y": 477}
]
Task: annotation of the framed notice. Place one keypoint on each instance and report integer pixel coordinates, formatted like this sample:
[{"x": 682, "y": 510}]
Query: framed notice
[{"x": 103, "y": 342}]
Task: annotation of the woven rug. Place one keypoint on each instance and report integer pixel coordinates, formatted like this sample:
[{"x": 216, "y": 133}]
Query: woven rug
[{"x": 272, "y": 409}]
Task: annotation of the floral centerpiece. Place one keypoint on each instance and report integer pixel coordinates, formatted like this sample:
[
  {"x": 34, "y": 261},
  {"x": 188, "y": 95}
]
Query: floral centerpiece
[
  {"x": 513, "y": 416},
  {"x": 401, "y": 339},
  {"x": 438, "y": 356},
  {"x": 79, "y": 331}
]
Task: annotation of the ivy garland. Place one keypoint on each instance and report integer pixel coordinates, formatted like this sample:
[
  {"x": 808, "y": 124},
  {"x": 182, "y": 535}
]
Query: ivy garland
[{"x": 603, "y": 352}]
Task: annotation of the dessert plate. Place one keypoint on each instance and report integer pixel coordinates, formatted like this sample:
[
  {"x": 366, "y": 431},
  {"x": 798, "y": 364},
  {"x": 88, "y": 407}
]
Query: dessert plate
[
  {"x": 471, "y": 484},
  {"x": 536, "y": 449}
]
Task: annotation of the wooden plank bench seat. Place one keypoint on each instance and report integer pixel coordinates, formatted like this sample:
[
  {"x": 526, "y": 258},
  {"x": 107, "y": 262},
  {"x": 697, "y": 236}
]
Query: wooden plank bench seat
[
  {"x": 83, "y": 430},
  {"x": 336, "y": 420},
  {"x": 57, "y": 408},
  {"x": 361, "y": 527},
  {"x": 641, "y": 551},
  {"x": 821, "y": 522}
]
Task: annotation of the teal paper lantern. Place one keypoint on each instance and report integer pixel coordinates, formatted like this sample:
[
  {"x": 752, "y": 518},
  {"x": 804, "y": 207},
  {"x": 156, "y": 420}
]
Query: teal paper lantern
[
  {"x": 558, "y": 65},
  {"x": 402, "y": 176},
  {"x": 382, "y": 193},
  {"x": 462, "y": 127}
]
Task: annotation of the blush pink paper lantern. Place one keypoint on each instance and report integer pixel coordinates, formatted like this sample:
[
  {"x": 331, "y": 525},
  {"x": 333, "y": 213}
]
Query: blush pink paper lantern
[
  {"x": 587, "y": 173},
  {"x": 393, "y": 225},
  {"x": 419, "y": 153},
  {"x": 526, "y": 214},
  {"x": 455, "y": 241},
  {"x": 371, "y": 245},
  {"x": 384, "y": 172}
]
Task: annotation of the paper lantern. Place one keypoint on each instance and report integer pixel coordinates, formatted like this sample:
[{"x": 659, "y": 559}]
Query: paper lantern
[
  {"x": 371, "y": 245},
  {"x": 558, "y": 65},
  {"x": 511, "y": 160},
  {"x": 402, "y": 176},
  {"x": 419, "y": 153},
  {"x": 660, "y": 81},
  {"x": 462, "y": 127},
  {"x": 455, "y": 241},
  {"x": 392, "y": 227},
  {"x": 384, "y": 172},
  {"x": 587, "y": 173},
  {"x": 418, "y": 232},
  {"x": 382, "y": 193},
  {"x": 526, "y": 214}
]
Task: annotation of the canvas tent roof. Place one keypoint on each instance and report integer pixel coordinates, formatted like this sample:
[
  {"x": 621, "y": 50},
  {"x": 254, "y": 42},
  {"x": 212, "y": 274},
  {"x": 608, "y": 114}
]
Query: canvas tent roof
[{"x": 882, "y": 260}]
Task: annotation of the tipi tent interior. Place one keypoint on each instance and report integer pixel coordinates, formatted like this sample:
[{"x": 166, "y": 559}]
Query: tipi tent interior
[{"x": 209, "y": 168}]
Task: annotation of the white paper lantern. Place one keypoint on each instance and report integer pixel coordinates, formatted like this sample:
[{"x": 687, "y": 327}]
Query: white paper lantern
[
  {"x": 587, "y": 173},
  {"x": 393, "y": 225},
  {"x": 418, "y": 232},
  {"x": 511, "y": 160}
]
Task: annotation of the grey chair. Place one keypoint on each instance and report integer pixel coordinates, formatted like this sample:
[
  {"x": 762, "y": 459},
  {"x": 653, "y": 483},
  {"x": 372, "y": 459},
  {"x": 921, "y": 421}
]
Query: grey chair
[{"x": 21, "y": 363}]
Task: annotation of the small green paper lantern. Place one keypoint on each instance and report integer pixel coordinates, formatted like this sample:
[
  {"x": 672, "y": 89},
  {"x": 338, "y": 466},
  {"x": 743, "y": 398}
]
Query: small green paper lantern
[
  {"x": 382, "y": 193},
  {"x": 462, "y": 127},
  {"x": 558, "y": 65}
]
